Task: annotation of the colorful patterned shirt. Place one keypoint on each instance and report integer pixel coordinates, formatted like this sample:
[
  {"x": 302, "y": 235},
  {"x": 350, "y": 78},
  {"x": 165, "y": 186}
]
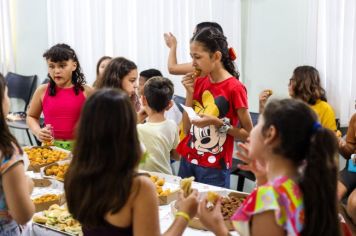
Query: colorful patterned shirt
[{"x": 283, "y": 196}]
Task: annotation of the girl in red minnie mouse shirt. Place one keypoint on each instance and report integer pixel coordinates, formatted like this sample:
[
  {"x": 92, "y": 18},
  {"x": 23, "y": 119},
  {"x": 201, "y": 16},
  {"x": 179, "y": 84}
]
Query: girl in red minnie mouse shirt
[{"x": 221, "y": 101}]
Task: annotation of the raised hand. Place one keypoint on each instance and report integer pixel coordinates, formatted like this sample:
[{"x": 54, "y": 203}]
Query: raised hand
[{"x": 170, "y": 40}]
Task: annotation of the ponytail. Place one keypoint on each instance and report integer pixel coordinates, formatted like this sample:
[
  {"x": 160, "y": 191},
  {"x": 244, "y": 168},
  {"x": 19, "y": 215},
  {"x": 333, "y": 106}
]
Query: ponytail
[
  {"x": 313, "y": 150},
  {"x": 318, "y": 184},
  {"x": 229, "y": 65}
]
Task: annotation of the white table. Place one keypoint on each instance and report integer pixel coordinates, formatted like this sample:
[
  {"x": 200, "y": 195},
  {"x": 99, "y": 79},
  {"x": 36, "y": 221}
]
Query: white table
[{"x": 165, "y": 216}]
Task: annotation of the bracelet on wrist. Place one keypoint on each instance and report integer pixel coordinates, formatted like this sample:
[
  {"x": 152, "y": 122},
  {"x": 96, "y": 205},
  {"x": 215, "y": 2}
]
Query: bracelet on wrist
[{"x": 183, "y": 214}]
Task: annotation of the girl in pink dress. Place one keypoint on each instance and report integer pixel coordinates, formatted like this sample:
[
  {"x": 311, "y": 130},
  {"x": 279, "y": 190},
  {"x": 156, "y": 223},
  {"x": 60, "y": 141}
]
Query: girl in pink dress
[{"x": 60, "y": 100}]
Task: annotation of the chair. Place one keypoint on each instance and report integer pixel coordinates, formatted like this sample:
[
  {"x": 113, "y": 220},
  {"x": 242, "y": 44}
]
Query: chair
[
  {"x": 179, "y": 100},
  {"x": 242, "y": 175},
  {"x": 20, "y": 87}
]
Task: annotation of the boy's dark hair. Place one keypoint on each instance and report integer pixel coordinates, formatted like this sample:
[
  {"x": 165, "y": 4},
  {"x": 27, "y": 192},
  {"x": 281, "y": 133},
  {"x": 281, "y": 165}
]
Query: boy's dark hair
[
  {"x": 116, "y": 70},
  {"x": 307, "y": 85},
  {"x": 158, "y": 92},
  {"x": 6, "y": 138},
  {"x": 63, "y": 52},
  {"x": 147, "y": 74},
  {"x": 208, "y": 24},
  {"x": 105, "y": 157},
  {"x": 304, "y": 142},
  {"x": 212, "y": 41}
]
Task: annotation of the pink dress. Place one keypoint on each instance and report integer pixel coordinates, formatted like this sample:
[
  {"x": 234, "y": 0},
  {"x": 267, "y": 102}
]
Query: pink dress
[{"x": 62, "y": 111}]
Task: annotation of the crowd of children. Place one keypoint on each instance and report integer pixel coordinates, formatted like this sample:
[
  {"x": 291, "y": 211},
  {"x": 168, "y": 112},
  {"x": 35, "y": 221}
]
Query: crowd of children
[{"x": 291, "y": 150}]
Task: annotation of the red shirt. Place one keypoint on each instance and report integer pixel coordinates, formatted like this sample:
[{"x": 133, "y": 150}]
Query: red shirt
[{"x": 206, "y": 146}]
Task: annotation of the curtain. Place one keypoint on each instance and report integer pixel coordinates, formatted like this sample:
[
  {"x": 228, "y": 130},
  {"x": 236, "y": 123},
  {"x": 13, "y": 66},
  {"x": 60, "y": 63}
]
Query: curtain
[
  {"x": 134, "y": 29},
  {"x": 7, "y": 60},
  {"x": 331, "y": 48}
]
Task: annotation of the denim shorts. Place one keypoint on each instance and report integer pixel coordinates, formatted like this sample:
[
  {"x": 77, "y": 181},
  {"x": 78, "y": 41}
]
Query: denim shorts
[{"x": 212, "y": 176}]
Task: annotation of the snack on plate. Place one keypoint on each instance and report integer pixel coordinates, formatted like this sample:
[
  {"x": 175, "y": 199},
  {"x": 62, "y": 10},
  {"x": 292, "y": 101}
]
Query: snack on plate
[
  {"x": 185, "y": 185},
  {"x": 229, "y": 205},
  {"x": 60, "y": 219},
  {"x": 44, "y": 155},
  {"x": 46, "y": 198},
  {"x": 159, "y": 182},
  {"x": 39, "y": 219},
  {"x": 212, "y": 197},
  {"x": 57, "y": 170}
]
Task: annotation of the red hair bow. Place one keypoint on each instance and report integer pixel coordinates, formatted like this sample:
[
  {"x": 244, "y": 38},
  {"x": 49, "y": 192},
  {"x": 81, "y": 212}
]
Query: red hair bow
[{"x": 232, "y": 54}]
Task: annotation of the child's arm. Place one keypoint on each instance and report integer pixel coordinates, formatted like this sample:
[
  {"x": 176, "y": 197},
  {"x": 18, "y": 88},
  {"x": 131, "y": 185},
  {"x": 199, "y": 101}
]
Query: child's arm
[
  {"x": 346, "y": 149},
  {"x": 263, "y": 97},
  {"x": 174, "y": 155},
  {"x": 256, "y": 167},
  {"x": 88, "y": 90},
  {"x": 212, "y": 219},
  {"x": 189, "y": 206},
  {"x": 145, "y": 212},
  {"x": 173, "y": 66},
  {"x": 17, "y": 190},
  {"x": 34, "y": 113},
  {"x": 348, "y": 146},
  {"x": 243, "y": 132},
  {"x": 264, "y": 224},
  {"x": 188, "y": 83}
]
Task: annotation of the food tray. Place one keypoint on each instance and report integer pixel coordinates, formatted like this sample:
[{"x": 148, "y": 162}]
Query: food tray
[
  {"x": 43, "y": 170},
  {"x": 48, "y": 230},
  {"x": 38, "y": 192},
  {"x": 38, "y": 180},
  {"x": 196, "y": 223},
  {"x": 36, "y": 168}
]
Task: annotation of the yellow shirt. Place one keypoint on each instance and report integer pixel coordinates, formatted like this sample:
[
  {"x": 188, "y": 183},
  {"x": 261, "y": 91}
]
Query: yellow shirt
[{"x": 325, "y": 114}]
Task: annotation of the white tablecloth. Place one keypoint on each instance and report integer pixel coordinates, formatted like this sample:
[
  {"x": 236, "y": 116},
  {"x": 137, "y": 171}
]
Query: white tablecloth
[{"x": 165, "y": 216}]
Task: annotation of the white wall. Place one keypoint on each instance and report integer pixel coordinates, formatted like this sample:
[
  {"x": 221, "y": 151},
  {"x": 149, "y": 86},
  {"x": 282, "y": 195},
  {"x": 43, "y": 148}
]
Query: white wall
[
  {"x": 30, "y": 37},
  {"x": 273, "y": 44}
]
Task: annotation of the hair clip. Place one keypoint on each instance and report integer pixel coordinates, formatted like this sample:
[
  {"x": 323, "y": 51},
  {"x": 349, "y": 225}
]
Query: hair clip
[
  {"x": 232, "y": 54},
  {"x": 316, "y": 126}
]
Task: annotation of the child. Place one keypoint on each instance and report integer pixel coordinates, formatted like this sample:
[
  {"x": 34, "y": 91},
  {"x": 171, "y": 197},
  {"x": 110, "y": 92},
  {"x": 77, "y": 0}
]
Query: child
[
  {"x": 60, "y": 100},
  {"x": 115, "y": 199},
  {"x": 16, "y": 206},
  {"x": 293, "y": 158},
  {"x": 158, "y": 134},
  {"x": 221, "y": 99},
  {"x": 100, "y": 68},
  {"x": 171, "y": 42},
  {"x": 347, "y": 179},
  {"x": 173, "y": 112},
  {"x": 305, "y": 85},
  {"x": 144, "y": 76},
  {"x": 122, "y": 73}
]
